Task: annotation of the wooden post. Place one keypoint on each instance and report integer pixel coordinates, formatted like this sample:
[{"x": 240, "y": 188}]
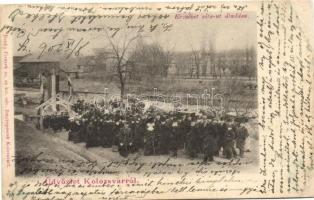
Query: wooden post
[
  {"x": 70, "y": 91},
  {"x": 57, "y": 84},
  {"x": 69, "y": 85},
  {"x": 41, "y": 119},
  {"x": 155, "y": 95},
  {"x": 53, "y": 89},
  {"x": 106, "y": 95},
  {"x": 187, "y": 101},
  {"x": 213, "y": 97},
  {"x": 42, "y": 91},
  {"x": 205, "y": 95}
]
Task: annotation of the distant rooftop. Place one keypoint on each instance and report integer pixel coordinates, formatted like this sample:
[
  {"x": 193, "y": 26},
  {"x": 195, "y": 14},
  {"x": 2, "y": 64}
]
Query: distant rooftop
[
  {"x": 32, "y": 58},
  {"x": 67, "y": 65}
]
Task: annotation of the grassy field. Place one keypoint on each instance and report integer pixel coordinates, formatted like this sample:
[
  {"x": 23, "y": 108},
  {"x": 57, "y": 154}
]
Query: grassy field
[{"x": 237, "y": 91}]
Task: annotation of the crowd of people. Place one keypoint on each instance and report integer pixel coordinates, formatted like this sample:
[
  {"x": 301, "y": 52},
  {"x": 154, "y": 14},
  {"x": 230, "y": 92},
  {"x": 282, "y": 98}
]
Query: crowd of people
[{"x": 153, "y": 131}]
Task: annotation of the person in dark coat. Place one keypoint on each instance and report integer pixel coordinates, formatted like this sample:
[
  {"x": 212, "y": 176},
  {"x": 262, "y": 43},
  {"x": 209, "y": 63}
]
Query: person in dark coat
[
  {"x": 157, "y": 133},
  {"x": 241, "y": 135},
  {"x": 164, "y": 130},
  {"x": 74, "y": 128},
  {"x": 150, "y": 138},
  {"x": 124, "y": 140},
  {"x": 140, "y": 128},
  {"x": 132, "y": 125},
  {"x": 91, "y": 139},
  {"x": 184, "y": 128},
  {"x": 228, "y": 146},
  {"x": 173, "y": 146},
  {"x": 106, "y": 139},
  {"x": 221, "y": 132},
  {"x": 192, "y": 140},
  {"x": 210, "y": 142},
  {"x": 115, "y": 131}
]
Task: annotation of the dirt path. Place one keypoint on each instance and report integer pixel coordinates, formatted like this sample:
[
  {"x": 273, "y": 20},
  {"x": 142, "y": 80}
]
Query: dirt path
[
  {"x": 31, "y": 143},
  {"x": 43, "y": 153}
]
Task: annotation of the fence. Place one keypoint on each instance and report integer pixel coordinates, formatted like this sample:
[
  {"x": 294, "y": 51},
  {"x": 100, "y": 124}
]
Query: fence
[{"x": 189, "y": 102}]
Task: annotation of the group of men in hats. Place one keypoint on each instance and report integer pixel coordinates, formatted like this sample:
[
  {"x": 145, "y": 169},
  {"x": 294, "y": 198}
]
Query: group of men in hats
[
  {"x": 158, "y": 133},
  {"x": 56, "y": 122}
]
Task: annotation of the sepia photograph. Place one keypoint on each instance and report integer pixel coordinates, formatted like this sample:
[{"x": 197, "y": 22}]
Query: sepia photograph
[
  {"x": 184, "y": 91},
  {"x": 195, "y": 100}
]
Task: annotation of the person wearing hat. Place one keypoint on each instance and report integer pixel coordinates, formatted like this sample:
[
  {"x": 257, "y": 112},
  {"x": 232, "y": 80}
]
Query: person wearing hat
[
  {"x": 110, "y": 126},
  {"x": 241, "y": 135},
  {"x": 159, "y": 129},
  {"x": 74, "y": 128},
  {"x": 91, "y": 139},
  {"x": 173, "y": 147},
  {"x": 106, "y": 139},
  {"x": 184, "y": 128},
  {"x": 220, "y": 130},
  {"x": 162, "y": 134},
  {"x": 83, "y": 128},
  {"x": 150, "y": 137},
  {"x": 192, "y": 140},
  {"x": 115, "y": 132},
  {"x": 209, "y": 142},
  {"x": 125, "y": 142},
  {"x": 228, "y": 146},
  {"x": 140, "y": 128},
  {"x": 132, "y": 125}
]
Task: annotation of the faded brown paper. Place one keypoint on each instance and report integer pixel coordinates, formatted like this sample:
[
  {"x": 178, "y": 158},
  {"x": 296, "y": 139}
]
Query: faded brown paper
[{"x": 280, "y": 160}]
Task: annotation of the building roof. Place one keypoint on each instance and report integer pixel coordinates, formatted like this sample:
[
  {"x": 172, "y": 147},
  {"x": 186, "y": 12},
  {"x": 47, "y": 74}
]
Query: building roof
[
  {"x": 35, "y": 59},
  {"x": 16, "y": 61},
  {"x": 67, "y": 65}
]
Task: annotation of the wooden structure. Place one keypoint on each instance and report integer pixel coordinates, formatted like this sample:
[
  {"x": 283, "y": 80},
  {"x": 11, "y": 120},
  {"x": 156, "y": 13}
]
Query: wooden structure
[
  {"x": 31, "y": 67},
  {"x": 47, "y": 72}
]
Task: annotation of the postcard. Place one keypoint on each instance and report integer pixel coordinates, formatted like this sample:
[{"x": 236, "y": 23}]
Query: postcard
[{"x": 196, "y": 100}]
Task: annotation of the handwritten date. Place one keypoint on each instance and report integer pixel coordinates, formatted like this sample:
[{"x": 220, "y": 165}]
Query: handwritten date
[{"x": 69, "y": 47}]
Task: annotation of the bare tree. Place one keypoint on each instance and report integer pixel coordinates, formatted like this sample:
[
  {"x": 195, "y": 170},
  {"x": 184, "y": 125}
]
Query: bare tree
[
  {"x": 212, "y": 52},
  {"x": 197, "y": 60},
  {"x": 199, "y": 56},
  {"x": 120, "y": 51},
  {"x": 169, "y": 53},
  {"x": 153, "y": 57}
]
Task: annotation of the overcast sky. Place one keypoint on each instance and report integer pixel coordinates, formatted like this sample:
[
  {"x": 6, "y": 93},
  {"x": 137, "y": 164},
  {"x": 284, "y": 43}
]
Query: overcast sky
[{"x": 185, "y": 35}]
